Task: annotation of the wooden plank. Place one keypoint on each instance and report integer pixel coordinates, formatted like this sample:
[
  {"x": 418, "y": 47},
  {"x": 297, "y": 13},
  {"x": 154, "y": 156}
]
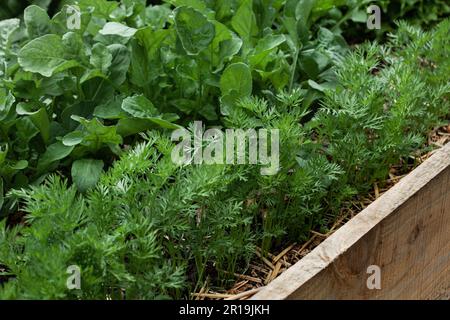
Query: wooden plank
[{"x": 406, "y": 232}]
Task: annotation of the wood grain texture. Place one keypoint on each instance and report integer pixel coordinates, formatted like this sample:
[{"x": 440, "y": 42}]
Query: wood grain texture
[{"x": 406, "y": 232}]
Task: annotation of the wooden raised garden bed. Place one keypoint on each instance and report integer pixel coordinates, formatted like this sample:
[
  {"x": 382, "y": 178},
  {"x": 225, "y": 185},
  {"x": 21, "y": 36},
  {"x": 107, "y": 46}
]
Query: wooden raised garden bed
[{"x": 405, "y": 232}]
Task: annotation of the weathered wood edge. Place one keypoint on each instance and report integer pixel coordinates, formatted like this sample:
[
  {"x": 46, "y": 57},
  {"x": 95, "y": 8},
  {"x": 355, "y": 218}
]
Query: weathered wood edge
[{"x": 343, "y": 239}]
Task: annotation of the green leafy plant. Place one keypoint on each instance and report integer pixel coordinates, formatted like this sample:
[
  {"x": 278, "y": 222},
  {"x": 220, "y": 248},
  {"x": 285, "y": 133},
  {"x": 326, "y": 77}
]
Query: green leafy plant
[
  {"x": 151, "y": 229},
  {"x": 74, "y": 94}
]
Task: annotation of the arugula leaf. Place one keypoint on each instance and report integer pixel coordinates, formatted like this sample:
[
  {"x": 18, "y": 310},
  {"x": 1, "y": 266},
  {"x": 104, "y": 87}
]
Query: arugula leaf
[
  {"x": 100, "y": 8},
  {"x": 6, "y": 102},
  {"x": 37, "y": 21},
  {"x": 39, "y": 118},
  {"x": 2, "y": 198},
  {"x": 226, "y": 45},
  {"x": 142, "y": 108},
  {"x": 54, "y": 152},
  {"x": 139, "y": 106},
  {"x": 244, "y": 21},
  {"x": 7, "y": 28},
  {"x": 236, "y": 83},
  {"x": 193, "y": 29},
  {"x": 101, "y": 57},
  {"x": 73, "y": 139},
  {"x": 118, "y": 29},
  {"x": 3, "y": 153},
  {"x": 264, "y": 47},
  {"x": 96, "y": 135},
  {"x": 111, "y": 110},
  {"x": 131, "y": 126},
  {"x": 120, "y": 63},
  {"x": 46, "y": 56},
  {"x": 237, "y": 80},
  {"x": 303, "y": 10}
]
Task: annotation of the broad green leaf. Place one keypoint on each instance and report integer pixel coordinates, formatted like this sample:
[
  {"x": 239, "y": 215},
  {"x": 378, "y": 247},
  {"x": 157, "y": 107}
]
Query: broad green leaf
[
  {"x": 157, "y": 16},
  {"x": 209, "y": 112},
  {"x": 359, "y": 16},
  {"x": 236, "y": 83},
  {"x": 145, "y": 60},
  {"x": 323, "y": 86},
  {"x": 39, "y": 118},
  {"x": 265, "y": 47},
  {"x": 82, "y": 109},
  {"x": 110, "y": 110},
  {"x": 142, "y": 108},
  {"x": 54, "y": 86},
  {"x": 315, "y": 85},
  {"x": 3, "y": 153},
  {"x": 237, "y": 79},
  {"x": 199, "y": 5},
  {"x": 130, "y": 126},
  {"x": 269, "y": 42},
  {"x": 222, "y": 33},
  {"x": 101, "y": 57},
  {"x": 190, "y": 71},
  {"x": 310, "y": 66},
  {"x": 229, "y": 48},
  {"x": 99, "y": 89},
  {"x": 125, "y": 10},
  {"x": 291, "y": 26},
  {"x": 171, "y": 117},
  {"x": 324, "y": 5},
  {"x": 100, "y": 8},
  {"x": 26, "y": 130},
  {"x": 303, "y": 13},
  {"x": 152, "y": 40},
  {"x": 163, "y": 123},
  {"x": 72, "y": 139},
  {"x": 193, "y": 29},
  {"x": 289, "y": 8},
  {"x": 7, "y": 27},
  {"x": 141, "y": 66},
  {"x": 96, "y": 135},
  {"x": 45, "y": 55},
  {"x": 19, "y": 165},
  {"x": 139, "y": 107},
  {"x": 74, "y": 46},
  {"x": 2, "y": 199},
  {"x": 224, "y": 9},
  {"x": 303, "y": 10},
  {"x": 54, "y": 152},
  {"x": 225, "y": 46},
  {"x": 118, "y": 29},
  {"x": 86, "y": 173},
  {"x": 70, "y": 19},
  {"x": 227, "y": 103},
  {"x": 6, "y": 102},
  {"x": 244, "y": 21},
  {"x": 184, "y": 105},
  {"x": 120, "y": 63},
  {"x": 37, "y": 21},
  {"x": 91, "y": 74}
]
